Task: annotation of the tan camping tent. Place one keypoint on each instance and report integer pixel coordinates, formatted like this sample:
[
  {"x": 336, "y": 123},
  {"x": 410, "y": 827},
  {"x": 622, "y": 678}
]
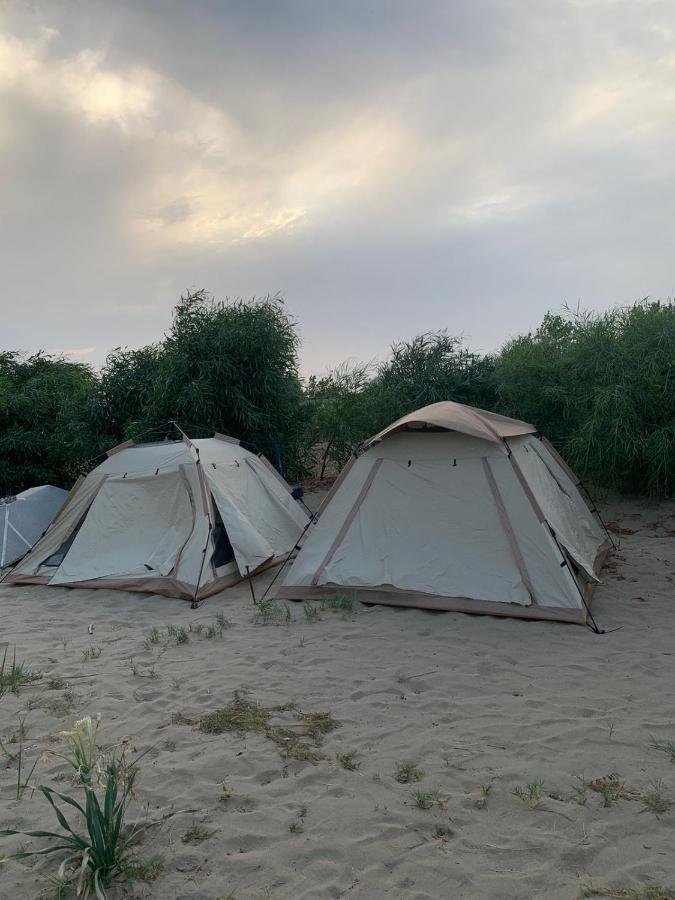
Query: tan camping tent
[
  {"x": 181, "y": 518},
  {"x": 455, "y": 508}
]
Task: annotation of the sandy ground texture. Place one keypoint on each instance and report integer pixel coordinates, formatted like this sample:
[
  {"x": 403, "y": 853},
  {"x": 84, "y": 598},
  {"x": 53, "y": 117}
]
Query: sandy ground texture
[{"x": 483, "y": 707}]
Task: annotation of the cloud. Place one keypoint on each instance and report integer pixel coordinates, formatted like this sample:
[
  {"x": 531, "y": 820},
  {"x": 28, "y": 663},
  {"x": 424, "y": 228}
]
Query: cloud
[{"x": 390, "y": 167}]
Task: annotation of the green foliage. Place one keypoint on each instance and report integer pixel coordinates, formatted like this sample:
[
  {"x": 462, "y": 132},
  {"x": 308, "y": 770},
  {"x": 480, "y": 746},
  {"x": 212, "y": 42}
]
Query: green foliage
[
  {"x": 226, "y": 366},
  {"x": 94, "y": 856},
  {"x": 351, "y": 402},
  {"x": 602, "y": 387},
  {"x": 45, "y": 411},
  {"x": 14, "y": 675}
]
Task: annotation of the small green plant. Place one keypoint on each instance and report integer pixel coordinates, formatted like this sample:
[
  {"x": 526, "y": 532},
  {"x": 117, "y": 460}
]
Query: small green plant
[
  {"x": 654, "y": 802},
  {"x": 298, "y": 826},
  {"x": 407, "y": 772},
  {"x": 428, "y": 799},
  {"x": 311, "y": 612},
  {"x": 269, "y": 612},
  {"x": 143, "y": 869},
  {"x": 154, "y": 637},
  {"x": 667, "y": 747},
  {"x": 581, "y": 791},
  {"x": 340, "y": 603},
  {"x": 91, "y": 653},
  {"x": 610, "y": 789},
  {"x": 23, "y": 780},
  {"x": 196, "y": 834},
  {"x": 178, "y": 634},
  {"x": 486, "y": 790},
  {"x": 15, "y": 675},
  {"x": 222, "y": 623},
  {"x": 348, "y": 761},
  {"x": 93, "y": 857},
  {"x": 530, "y": 793},
  {"x": 58, "y": 706}
]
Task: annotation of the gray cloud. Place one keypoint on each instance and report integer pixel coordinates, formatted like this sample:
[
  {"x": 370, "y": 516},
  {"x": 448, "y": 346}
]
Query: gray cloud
[{"x": 390, "y": 167}]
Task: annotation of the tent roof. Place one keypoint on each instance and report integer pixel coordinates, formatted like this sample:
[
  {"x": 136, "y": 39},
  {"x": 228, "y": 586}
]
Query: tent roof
[{"x": 457, "y": 417}]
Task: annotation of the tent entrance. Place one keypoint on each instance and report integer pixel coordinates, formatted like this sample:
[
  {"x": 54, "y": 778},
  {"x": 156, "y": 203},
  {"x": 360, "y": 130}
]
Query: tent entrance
[{"x": 222, "y": 548}]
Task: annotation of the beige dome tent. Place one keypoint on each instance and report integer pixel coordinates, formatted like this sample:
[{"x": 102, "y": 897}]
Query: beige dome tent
[
  {"x": 455, "y": 508},
  {"x": 181, "y": 518}
]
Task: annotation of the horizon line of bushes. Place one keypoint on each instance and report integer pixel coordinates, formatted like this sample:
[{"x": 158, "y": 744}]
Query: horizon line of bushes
[{"x": 600, "y": 386}]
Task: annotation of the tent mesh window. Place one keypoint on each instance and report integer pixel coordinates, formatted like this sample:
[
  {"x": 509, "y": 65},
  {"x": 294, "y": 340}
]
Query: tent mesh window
[
  {"x": 55, "y": 560},
  {"x": 223, "y": 552}
]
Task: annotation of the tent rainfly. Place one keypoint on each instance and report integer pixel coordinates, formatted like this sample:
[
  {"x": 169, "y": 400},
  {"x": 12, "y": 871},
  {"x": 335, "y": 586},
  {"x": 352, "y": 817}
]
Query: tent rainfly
[
  {"x": 180, "y": 518},
  {"x": 455, "y": 508},
  {"x": 24, "y": 518}
]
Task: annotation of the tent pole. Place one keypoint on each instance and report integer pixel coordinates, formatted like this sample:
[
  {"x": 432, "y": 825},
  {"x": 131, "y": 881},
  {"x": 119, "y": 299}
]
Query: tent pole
[
  {"x": 250, "y": 584},
  {"x": 285, "y": 562},
  {"x": 594, "y": 509}
]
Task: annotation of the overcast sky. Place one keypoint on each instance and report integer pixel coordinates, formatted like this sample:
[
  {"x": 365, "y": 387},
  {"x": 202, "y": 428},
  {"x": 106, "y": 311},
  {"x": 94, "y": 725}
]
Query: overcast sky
[{"x": 389, "y": 167}]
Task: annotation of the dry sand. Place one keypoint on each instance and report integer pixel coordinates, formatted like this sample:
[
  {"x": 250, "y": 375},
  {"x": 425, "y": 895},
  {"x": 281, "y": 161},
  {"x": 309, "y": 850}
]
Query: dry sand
[{"x": 471, "y": 700}]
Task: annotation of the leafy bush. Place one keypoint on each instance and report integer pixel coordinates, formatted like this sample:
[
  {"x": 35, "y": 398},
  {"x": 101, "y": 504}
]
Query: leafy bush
[
  {"x": 222, "y": 366},
  {"x": 45, "y": 428},
  {"x": 602, "y": 387}
]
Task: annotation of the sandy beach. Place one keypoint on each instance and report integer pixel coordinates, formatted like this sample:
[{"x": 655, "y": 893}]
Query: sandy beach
[{"x": 483, "y": 707}]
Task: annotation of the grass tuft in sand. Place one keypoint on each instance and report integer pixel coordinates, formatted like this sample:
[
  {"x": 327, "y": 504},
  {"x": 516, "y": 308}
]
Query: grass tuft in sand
[
  {"x": 14, "y": 675},
  {"x": 407, "y": 773},
  {"x": 296, "y": 740}
]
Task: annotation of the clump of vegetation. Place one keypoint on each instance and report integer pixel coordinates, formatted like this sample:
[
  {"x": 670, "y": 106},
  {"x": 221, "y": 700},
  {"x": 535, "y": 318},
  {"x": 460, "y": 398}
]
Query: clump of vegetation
[
  {"x": 269, "y": 612},
  {"x": 91, "y": 653},
  {"x": 599, "y": 385},
  {"x": 408, "y": 772},
  {"x": 58, "y": 706},
  {"x": 348, "y": 761},
  {"x": 610, "y": 788},
  {"x": 654, "y": 801},
  {"x": 339, "y": 603},
  {"x": 14, "y": 675},
  {"x": 92, "y": 858},
  {"x": 530, "y": 793},
  {"x": 667, "y": 747},
  {"x": 197, "y": 834},
  {"x": 296, "y": 740},
  {"x": 311, "y": 612},
  {"x": 176, "y": 634},
  {"x": 143, "y": 869},
  {"x": 428, "y": 799}
]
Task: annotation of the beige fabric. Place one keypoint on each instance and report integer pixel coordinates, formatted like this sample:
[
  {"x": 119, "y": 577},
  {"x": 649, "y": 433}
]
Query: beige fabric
[
  {"x": 135, "y": 526},
  {"x": 258, "y": 512},
  {"x": 561, "y": 503},
  {"x": 456, "y": 417},
  {"x": 447, "y": 516},
  {"x": 145, "y": 519},
  {"x": 62, "y": 527}
]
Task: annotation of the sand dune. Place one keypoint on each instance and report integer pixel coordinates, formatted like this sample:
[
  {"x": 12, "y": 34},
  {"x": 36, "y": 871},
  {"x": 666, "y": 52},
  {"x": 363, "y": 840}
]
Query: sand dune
[{"x": 471, "y": 701}]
